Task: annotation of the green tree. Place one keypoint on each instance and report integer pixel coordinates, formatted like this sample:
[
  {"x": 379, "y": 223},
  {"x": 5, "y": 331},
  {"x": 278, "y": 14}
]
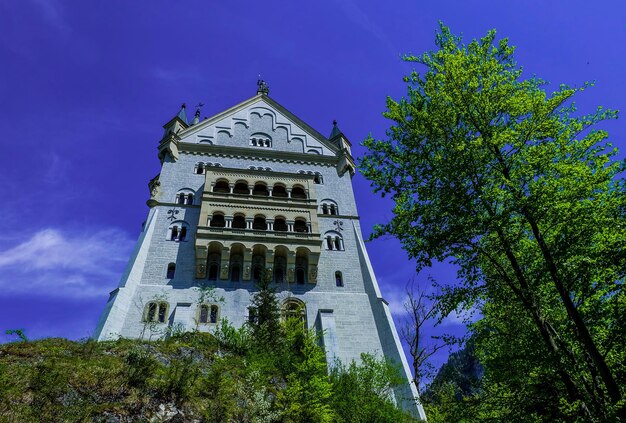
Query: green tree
[
  {"x": 488, "y": 170},
  {"x": 265, "y": 314}
]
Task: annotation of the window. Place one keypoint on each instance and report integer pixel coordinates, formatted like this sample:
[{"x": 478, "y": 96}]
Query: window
[
  {"x": 171, "y": 270},
  {"x": 241, "y": 188},
  {"x": 177, "y": 231},
  {"x": 317, "y": 179},
  {"x": 279, "y": 191},
  {"x": 329, "y": 207},
  {"x": 189, "y": 199},
  {"x": 259, "y": 223},
  {"x": 239, "y": 222},
  {"x": 294, "y": 308},
  {"x": 280, "y": 224},
  {"x": 221, "y": 186},
  {"x": 338, "y": 279},
  {"x": 217, "y": 221},
  {"x": 298, "y": 192},
  {"x": 334, "y": 241},
  {"x": 156, "y": 312},
  {"x": 260, "y": 189},
  {"x": 208, "y": 314},
  {"x": 300, "y": 226},
  {"x": 180, "y": 198},
  {"x": 199, "y": 168}
]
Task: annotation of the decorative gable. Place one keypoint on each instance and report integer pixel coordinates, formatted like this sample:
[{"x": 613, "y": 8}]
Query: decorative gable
[{"x": 259, "y": 123}]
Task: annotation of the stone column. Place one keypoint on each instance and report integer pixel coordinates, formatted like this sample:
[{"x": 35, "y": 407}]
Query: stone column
[
  {"x": 270, "y": 225},
  {"x": 247, "y": 265},
  {"x": 232, "y": 187},
  {"x": 249, "y": 222}
]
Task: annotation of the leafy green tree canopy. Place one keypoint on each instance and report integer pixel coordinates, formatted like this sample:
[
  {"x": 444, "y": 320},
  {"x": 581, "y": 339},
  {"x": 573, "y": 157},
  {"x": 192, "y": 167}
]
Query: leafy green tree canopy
[{"x": 490, "y": 171}]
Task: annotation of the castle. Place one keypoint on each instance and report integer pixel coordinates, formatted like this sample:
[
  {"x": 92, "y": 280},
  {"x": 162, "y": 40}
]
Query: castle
[{"x": 255, "y": 188}]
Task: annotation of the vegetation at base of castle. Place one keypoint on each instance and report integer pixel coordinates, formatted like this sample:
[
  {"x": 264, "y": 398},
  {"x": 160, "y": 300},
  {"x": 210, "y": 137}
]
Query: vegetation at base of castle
[
  {"x": 267, "y": 371},
  {"x": 492, "y": 173}
]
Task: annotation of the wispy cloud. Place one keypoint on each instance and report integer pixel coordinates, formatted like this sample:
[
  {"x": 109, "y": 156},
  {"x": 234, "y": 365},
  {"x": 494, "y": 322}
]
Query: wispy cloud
[
  {"x": 54, "y": 262},
  {"x": 52, "y": 12}
]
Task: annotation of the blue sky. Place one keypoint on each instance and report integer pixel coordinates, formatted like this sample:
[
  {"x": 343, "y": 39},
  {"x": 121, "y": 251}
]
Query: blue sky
[{"x": 86, "y": 86}]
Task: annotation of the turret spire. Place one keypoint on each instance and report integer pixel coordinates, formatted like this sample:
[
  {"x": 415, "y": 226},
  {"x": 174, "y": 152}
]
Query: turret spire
[{"x": 182, "y": 115}]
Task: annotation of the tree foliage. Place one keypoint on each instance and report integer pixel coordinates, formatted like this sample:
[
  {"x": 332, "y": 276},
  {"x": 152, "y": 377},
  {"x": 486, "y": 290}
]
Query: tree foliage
[{"x": 488, "y": 170}]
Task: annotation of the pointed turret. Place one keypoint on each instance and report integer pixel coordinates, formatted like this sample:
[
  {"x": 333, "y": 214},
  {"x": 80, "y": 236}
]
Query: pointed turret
[
  {"x": 339, "y": 140},
  {"x": 196, "y": 117},
  {"x": 169, "y": 142}
]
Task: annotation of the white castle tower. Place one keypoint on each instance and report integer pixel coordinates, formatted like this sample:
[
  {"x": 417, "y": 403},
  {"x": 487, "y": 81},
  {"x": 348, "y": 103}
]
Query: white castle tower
[{"x": 250, "y": 188}]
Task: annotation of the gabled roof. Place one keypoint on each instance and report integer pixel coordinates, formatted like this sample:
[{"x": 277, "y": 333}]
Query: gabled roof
[{"x": 271, "y": 102}]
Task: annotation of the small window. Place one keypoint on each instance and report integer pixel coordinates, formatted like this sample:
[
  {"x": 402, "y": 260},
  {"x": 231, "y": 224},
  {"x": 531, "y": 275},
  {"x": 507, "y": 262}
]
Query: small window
[
  {"x": 183, "y": 234},
  {"x": 333, "y": 209},
  {"x": 199, "y": 168},
  {"x": 171, "y": 270},
  {"x": 317, "y": 179},
  {"x": 174, "y": 236},
  {"x": 324, "y": 208},
  {"x": 338, "y": 279},
  {"x": 156, "y": 312},
  {"x": 208, "y": 314},
  {"x": 177, "y": 231},
  {"x": 261, "y": 190},
  {"x": 189, "y": 199},
  {"x": 337, "y": 243},
  {"x": 180, "y": 198}
]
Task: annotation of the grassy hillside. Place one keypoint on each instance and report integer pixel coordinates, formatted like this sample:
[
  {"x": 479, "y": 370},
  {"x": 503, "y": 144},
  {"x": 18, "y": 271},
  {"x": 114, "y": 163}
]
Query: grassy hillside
[{"x": 227, "y": 377}]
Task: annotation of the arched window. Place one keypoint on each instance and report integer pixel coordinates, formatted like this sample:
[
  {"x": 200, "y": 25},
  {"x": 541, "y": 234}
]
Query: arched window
[
  {"x": 200, "y": 168},
  {"x": 258, "y": 262},
  {"x": 217, "y": 220},
  {"x": 239, "y": 221},
  {"x": 171, "y": 270},
  {"x": 221, "y": 186},
  {"x": 208, "y": 314},
  {"x": 300, "y": 226},
  {"x": 329, "y": 207},
  {"x": 280, "y": 264},
  {"x": 189, "y": 199},
  {"x": 177, "y": 231},
  {"x": 280, "y": 224},
  {"x": 338, "y": 279},
  {"x": 241, "y": 188},
  {"x": 156, "y": 312},
  {"x": 236, "y": 262},
  {"x": 180, "y": 198},
  {"x": 260, "y": 190},
  {"x": 294, "y": 308},
  {"x": 334, "y": 241},
  {"x": 279, "y": 191},
  {"x": 298, "y": 192},
  {"x": 259, "y": 223},
  {"x": 317, "y": 179}
]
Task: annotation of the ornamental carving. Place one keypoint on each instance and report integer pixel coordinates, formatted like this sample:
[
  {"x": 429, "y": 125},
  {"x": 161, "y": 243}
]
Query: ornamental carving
[
  {"x": 224, "y": 274},
  {"x": 200, "y": 271},
  {"x": 313, "y": 274}
]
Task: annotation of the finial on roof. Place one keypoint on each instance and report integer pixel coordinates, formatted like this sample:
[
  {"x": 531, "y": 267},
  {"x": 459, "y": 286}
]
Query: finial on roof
[
  {"x": 262, "y": 87},
  {"x": 182, "y": 115},
  {"x": 196, "y": 118}
]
